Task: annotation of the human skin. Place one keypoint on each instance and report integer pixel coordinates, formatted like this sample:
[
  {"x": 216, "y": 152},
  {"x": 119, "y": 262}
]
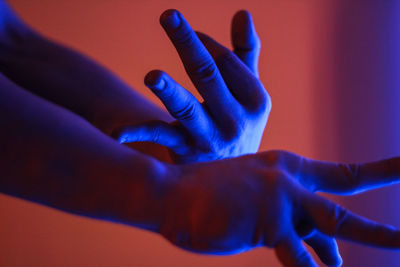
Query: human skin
[
  {"x": 56, "y": 158},
  {"x": 232, "y": 118},
  {"x": 39, "y": 65},
  {"x": 213, "y": 48},
  {"x": 88, "y": 89}
]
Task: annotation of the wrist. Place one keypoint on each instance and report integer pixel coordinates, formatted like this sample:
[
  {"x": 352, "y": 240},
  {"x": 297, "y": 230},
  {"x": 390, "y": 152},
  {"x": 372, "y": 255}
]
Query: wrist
[{"x": 144, "y": 194}]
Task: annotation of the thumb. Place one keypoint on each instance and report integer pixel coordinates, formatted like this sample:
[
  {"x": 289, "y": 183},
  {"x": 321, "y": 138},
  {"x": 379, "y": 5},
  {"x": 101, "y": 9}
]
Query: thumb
[{"x": 158, "y": 132}]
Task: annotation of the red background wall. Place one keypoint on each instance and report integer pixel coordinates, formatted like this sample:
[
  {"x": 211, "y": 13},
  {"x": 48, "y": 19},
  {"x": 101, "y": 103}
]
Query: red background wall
[{"x": 330, "y": 67}]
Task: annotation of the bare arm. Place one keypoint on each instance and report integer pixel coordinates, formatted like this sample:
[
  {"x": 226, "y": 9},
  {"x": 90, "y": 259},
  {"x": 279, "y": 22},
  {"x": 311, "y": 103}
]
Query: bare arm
[
  {"x": 52, "y": 156},
  {"x": 68, "y": 78}
]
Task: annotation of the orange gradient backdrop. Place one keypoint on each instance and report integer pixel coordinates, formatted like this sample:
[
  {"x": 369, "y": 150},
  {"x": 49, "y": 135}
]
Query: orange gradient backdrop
[{"x": 299, "y": 67}]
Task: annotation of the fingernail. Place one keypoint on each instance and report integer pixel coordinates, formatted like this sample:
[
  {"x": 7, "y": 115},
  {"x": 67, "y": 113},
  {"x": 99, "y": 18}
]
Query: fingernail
[
  {"x": 159, "y": 84},
  {"x": 170, "y": 19},
  {"x": 154, "y": 80}
]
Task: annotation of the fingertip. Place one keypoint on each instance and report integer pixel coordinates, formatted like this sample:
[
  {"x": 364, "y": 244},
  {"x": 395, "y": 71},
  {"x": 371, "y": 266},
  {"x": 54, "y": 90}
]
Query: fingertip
[
  {"x": 332, "y": 258},
  {"x": 339, "y": 261},
  {"x": 326, "y": 249},
  {"x": 244, "y": 35},
  {"x": 336, "y": 259},
  {"x": 170, "y": 19},
  {"x": 293, "y": 253},
  {"x": 242, "y": 16},
  {"x": 155, "y": 80},
  {"x": 336, "y": 262}
]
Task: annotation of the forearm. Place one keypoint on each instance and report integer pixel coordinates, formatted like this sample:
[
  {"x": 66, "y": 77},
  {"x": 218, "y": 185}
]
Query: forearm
[
  {"x": 70, "y": 79},
  {"x": 55, "y": 158}
]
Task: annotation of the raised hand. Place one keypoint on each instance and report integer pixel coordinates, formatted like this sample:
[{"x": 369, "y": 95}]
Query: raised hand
[
  {"x": 231, "y": 120},
  {"x": 234, "y": 205}
]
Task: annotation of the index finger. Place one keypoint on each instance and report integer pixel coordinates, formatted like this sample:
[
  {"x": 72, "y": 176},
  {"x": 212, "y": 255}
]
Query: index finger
[
  {"x": 345, "y": 178},
  {"x": 333, "y": 220},
  {"x": 198, "y": 63}
]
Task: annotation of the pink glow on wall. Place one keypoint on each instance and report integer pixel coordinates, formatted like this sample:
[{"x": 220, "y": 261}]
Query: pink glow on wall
[{"x": 329, "y": 66}]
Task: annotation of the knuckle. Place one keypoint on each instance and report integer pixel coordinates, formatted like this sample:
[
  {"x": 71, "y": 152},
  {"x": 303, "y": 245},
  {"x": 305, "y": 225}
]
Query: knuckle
[
  {"x": 337, "y": 216},
  {"x": 185, "y": 112},
  {"x": 340, "y": 216},
  {"x": 184, "y": 37},
  {"x": 261, "y": 100},
  {"x": 352, "y": 173},
  {"x": 355, "y": 174},
  {"x": 204, "y": 71},
  {"x": 273, "y": 158},
  {"x": 251, "y": 44},
  {"x": 156, "y": 134}
]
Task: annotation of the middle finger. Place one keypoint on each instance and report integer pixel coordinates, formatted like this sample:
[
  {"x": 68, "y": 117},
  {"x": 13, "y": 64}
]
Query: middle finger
[{"x": 199, "y": 65}]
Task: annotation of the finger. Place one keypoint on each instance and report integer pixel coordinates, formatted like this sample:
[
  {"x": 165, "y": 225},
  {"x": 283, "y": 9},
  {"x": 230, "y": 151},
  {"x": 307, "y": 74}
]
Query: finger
[
  {"x": 247, "y": 88},
  {"x": 325, "y": 247},
  {"x": 333, "y": 220},
  {"x": 291, "y": 252},
  {"x": 349, "y": 178},
  {"x": 158, "y": 132},
  {"x": 180, "y": 103},
  {"x": 245, "y": 41},
  {"x": 199, "y": 65}
]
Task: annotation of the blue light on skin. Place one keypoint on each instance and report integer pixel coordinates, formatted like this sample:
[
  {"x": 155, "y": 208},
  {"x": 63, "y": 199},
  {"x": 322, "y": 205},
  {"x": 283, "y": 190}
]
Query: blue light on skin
[
  {"x": 216, "y": 51},
  {"x": 231, "y": 120},
  {"x": 366, "y": 94}
]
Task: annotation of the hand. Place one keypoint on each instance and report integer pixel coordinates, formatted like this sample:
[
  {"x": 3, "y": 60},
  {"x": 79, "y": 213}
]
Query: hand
[
  {"x": 231, "y": 120},
  {"x": 348, "y": 179},
  {"x": 233, "y": 205}
]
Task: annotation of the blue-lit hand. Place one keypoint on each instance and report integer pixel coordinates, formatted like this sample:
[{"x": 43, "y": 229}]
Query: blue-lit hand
[
  {"x": 231, "y": 120},
  {"x": 348, "y": 179},
  {"x": 266, "y": 199}
]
